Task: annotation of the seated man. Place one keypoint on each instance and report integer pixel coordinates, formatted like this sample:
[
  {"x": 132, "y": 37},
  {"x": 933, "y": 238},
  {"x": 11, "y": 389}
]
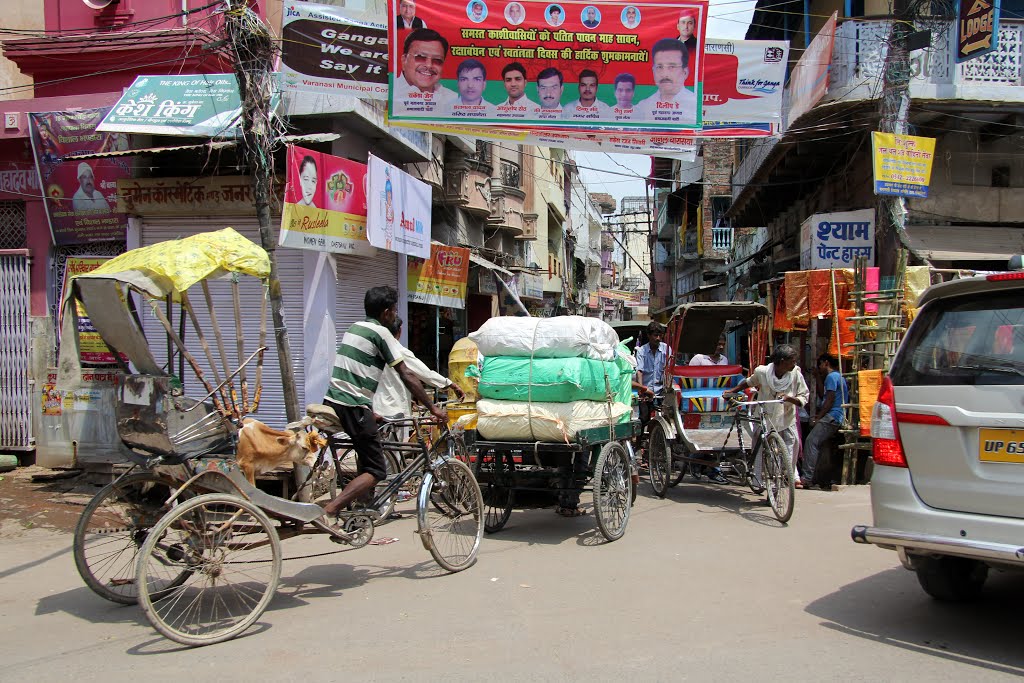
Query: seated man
[
  {"x": 828, "y": 419},
  {"x": 716, "y": 358},
  {"x": 366, "y": 349}
]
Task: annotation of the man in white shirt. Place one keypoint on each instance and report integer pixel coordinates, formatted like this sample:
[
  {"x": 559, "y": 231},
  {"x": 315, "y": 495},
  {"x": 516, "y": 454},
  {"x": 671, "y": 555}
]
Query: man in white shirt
[
  {"x": 86, "y": 197},
  {"x": 673, "y": 103},
  {"x": 472, "y": 77},
  {"x": 393, "y": 398},
  {"x": 517, "y": 105},
  {"x": 716, "y": 358},
  {"x": 587, "y": 107},
  {"x": 549, "y": 90},
  {"x": 418, "y": 88}
]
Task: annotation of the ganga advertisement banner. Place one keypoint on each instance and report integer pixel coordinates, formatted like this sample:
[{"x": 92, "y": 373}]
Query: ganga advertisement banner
[
  {"x": 550, "y": 64},
  {"x": 902, "y": 164},
  {"x": 326, "y": 49},
  {"x": 743, "y": 82},
  {"x": 324, "y": 204},
  {"x": 441, "y": 279},
  {"x": 81, "y": 196},
  {"x": 398, "y": 211}
]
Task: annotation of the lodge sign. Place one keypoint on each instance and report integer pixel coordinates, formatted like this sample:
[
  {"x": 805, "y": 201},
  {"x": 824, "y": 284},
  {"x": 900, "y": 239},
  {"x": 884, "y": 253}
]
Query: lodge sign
[{"x": 977, "y": 30}]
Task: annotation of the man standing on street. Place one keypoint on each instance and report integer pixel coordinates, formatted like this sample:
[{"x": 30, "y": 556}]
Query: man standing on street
[
  {"x": 366, "y": 349},
  {"x": 829, "y": 418}
]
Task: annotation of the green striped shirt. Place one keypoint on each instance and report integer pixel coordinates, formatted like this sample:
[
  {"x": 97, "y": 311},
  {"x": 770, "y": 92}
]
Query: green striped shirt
[{"x": 365, "y": 350}]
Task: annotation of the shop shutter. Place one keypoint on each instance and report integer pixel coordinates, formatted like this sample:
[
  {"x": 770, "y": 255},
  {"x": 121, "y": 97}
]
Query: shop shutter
[
  {"x": 355, "y": 276},
  {"x": 289, "y": 262}
]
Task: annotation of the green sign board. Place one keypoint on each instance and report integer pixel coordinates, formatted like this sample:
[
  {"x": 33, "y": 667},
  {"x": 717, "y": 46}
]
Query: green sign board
[{"x": 203, "y": 105}]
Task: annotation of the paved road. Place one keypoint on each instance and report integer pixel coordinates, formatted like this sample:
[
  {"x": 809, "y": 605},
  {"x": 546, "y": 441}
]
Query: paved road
[{"x": 704, "y": 586}]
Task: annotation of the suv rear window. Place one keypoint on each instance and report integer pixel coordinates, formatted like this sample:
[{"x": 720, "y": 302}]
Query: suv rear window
[{"x": 973, "y": 340}]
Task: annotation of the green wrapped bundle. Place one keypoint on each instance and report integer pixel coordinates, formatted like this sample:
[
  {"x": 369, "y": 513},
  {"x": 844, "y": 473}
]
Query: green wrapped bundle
[{"x": 556, "y": 380}]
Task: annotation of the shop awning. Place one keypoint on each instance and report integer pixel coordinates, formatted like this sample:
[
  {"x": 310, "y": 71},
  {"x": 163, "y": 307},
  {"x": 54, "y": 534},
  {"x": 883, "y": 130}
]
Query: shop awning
[
  {"x": 481, "y": 261},
  {"x": 211, "y": 146},
  {"x": 965, "y": 243}
]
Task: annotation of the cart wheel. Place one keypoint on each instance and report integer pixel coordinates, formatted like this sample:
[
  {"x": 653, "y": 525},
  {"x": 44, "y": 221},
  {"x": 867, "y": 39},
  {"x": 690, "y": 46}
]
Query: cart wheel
[
  {"x": 450, "y": 515},
  {"x": 112, "y": 528},
  {"x": 778, "y": 473},
  {"x": 680, "y": 473},
  {"x": 497, "y": 507},
  {"x": 612, "y": 484},
  {"x": 659, "y": 459},
  {"x": 230, "y": 551}
]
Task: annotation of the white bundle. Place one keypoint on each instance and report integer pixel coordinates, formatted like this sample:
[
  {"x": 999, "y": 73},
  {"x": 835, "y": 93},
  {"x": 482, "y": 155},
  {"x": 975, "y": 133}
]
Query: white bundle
[
  {"x": 565, "y": 336},
  {"x": 550, "y": 422}
]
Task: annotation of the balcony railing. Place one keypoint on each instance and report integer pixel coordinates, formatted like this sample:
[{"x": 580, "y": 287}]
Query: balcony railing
[
  {"x": 721, "y": 239},
  {"x": 511, "y": 174}
]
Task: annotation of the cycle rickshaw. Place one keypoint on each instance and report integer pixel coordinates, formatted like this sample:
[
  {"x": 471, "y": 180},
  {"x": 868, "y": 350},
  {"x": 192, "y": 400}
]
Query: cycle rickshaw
[
  {"x": 698, "y": 428},
  {"x": 183, "y": 532}
]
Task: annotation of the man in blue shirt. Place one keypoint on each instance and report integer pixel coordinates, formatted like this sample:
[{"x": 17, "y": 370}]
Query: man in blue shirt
[
  {"x": 829, "y": 418},
  {"x": 651, "y": 359}
]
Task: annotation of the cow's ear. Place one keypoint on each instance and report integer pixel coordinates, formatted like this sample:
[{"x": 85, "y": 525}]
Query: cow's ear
[{"x": 284, "y": 441}]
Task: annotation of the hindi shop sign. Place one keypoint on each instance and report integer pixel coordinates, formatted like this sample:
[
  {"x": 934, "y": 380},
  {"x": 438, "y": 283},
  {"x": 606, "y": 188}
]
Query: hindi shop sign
[
  {"x": 326, "y": 50},
  {"x": 977, "y": 29},
  {"x": 209, "y": 196},
  {"x": 440, "y": 280},
  {"x": 541, "y": 64},
  {"x": 398, "y": 210},
  {"x": 902, "y": 164},
  {"x": 833, "y": 240},
  {"x": 325, "y": 204},
  {"x": 199, "y": 105}
]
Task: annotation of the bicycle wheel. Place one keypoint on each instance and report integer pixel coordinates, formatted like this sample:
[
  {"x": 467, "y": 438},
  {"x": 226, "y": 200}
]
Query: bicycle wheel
[
  {"x": 659, "y": 459},
  {"x": 681, "y": 468},
  {"x": 112, "y": 528},
  {"x": 231, "y": 552},
  {"x": 612, "y": 483},
  {"x": 778, "y": 474},
  {"x": 450, "y": 515}
]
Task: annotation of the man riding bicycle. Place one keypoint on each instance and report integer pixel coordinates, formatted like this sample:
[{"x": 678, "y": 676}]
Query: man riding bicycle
[{"x": 366, "y": 349}]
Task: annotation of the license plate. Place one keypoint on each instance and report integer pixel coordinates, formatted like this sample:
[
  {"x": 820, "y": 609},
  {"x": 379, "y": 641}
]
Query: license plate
[
  {"x": 1001, "y": 445},
  {"x": 716, "y": 420}
]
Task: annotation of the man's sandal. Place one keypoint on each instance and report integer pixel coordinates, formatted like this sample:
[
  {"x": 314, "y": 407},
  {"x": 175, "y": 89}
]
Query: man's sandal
[{"x": 570, "y": 512}]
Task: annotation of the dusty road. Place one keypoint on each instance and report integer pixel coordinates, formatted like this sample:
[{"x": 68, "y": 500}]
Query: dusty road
[{"x": 704, "y": 586}]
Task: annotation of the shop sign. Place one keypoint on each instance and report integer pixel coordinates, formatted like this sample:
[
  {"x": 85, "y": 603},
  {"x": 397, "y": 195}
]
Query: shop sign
[
  {"x": 977, "y": 29},
  {"x": 398, "y": 210},
  {"x": 486, "y": 283},
  {"x": 325, "y": 204},
  {"x": 530, "y": 286},
  {"x": 208, "y": 196},
  {"x": 440, "y": 280},
  {"x": 833, "y": 240},
  {"x": 902, "y": 164},
  {"x": 80, "y": 195},
  {"x": 196, "y": 105},
  {"x": 19, "y": 178},
  {"x": 91, "y": 348}
]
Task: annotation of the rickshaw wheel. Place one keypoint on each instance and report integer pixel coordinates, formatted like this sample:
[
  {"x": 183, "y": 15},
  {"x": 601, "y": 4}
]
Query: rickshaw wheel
[
  {"x": 497, "y": 507},
  {"x": 659, "y": 459},
  {"x": 779, "y": 477},
  {"x": 449, "y": 515},
  {"x": 680, "y": 473},
  {"x": 112, "y": 528},
  {"x": 612, "y": 486},
  {"x": 231, "y": 552}
]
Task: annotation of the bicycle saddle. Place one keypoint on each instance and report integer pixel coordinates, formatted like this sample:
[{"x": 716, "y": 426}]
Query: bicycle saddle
[{"x": 324, "y": 418}]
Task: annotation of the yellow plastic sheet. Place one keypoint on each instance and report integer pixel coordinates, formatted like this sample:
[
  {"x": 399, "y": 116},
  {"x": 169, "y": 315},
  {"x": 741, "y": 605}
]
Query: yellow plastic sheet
[
  {"x": 869, "y": 382},
  {"x": 918, "y": 279},
  {"x": 176, "y": 265}
]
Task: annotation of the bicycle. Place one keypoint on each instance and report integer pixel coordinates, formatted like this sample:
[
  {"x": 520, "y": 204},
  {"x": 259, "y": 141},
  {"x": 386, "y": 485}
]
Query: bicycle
[{"x": 778, "y": 480}]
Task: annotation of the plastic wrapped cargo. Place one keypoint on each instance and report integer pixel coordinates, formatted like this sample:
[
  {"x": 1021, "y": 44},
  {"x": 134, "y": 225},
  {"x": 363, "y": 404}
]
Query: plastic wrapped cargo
[
  {"x": 550, "y": 422},
  {"x": 556, "y": 380},
  {"x": 566, "y": 336}
]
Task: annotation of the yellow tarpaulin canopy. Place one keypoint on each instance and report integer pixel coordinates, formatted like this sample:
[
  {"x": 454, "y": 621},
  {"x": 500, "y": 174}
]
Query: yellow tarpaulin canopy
[{"x": 174, "y": 266}]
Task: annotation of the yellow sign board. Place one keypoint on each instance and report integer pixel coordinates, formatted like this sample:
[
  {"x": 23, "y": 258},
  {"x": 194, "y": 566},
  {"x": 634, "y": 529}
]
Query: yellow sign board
[{"x": 902, "y": 164}]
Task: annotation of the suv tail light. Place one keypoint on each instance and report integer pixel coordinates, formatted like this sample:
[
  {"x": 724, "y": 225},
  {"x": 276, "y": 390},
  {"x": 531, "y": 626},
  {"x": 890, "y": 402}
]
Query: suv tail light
[{"x": 886, "y": 448}]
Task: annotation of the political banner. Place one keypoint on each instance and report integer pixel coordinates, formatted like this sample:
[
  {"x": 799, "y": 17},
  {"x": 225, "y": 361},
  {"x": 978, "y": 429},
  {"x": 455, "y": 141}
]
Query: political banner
[
  {"x": 977, "y": 28},
  {"x": 80, "y": 195},
  {"x": 196, "y": 105},
  {"x": 324, "y": 204},
  {"x": 532, "y": 63},
  {"x": 327, "y": 50},
  {"x": 743, "y": 82},
  {"x": 834, "y": 240},
  {"x": 91, "y": 349},
  {"x": 808, "y": 81},
  {"x": 902, "y": 164},
  {"x": 398, "y": 210},
  {"x": 441, "y": 279}
]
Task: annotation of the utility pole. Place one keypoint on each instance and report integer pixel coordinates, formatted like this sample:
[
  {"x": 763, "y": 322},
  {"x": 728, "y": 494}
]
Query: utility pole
[{"x": 253, "y": 51}]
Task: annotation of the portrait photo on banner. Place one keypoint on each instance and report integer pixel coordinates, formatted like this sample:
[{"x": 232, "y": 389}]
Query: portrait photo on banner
[{"x": 533, "y": 64}]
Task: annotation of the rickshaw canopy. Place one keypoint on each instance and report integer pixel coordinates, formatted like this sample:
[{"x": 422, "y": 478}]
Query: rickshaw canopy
[{"x": 695, "y": 327}]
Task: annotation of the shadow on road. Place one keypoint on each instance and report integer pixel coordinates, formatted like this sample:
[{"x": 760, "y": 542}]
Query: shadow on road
[
  {"x": 889, "y": 608},
  {"x": 723, "y": 498},
  {"x": 34, "y": 563},
  {"x": 87, "y": 606}
]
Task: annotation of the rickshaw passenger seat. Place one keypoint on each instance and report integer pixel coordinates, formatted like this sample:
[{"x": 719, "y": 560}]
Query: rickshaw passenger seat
[{"x": 700, "y": 387}]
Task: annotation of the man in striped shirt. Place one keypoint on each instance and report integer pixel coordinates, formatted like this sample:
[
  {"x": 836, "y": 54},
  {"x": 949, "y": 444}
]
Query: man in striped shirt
[{"x": 366, "y": 349}]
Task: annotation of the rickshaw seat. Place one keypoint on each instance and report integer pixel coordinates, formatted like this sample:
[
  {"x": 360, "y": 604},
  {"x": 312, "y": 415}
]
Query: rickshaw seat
[{"x": 700, "y": 387}]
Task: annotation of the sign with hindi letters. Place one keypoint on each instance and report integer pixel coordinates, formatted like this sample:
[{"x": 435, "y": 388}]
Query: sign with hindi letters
[
  {"x": 440, "y": 280},
  {"x": 902, "y": 164},
  {"x": 208, "y": 196},
  {"x": 834, "y": 240},
  {"x": 197, "y": 105}
]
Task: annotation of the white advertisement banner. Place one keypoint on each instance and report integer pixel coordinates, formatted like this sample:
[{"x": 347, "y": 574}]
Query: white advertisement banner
[
  {"x": 834, "y": 240},
  {"x": 743, "y": 80},
  {"x": 398, "y": 210}
]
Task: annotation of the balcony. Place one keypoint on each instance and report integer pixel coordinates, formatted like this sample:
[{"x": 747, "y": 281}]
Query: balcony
[
  {"x": 721, "y": 239},
  {"x": 511, "y": 175}
]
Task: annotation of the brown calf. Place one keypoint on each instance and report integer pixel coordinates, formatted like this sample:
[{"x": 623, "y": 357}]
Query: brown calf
[{"x": 261, "y": 448}]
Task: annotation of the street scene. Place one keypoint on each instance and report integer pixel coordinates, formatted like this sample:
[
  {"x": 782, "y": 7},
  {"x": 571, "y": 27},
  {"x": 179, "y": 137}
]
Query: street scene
[{"x": 412, "y": 340}]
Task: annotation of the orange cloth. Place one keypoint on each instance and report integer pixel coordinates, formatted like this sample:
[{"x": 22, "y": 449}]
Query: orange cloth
[
  {"x": 819, "y": 285},
  {"x": 797, "y": 307},
  {"x": 846, "y": 334},
  {"x": 782, "y": 321}
]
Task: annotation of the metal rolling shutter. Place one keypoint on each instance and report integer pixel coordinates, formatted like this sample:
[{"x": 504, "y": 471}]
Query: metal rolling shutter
[
  {"x": 289, "y": 263},
  {"x": 355, "y": 276}
]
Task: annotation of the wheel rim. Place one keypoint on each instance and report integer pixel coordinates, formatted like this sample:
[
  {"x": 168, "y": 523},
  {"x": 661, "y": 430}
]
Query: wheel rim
[
  {"x": 452, "y": 522},
  {"x": 612, "y": 499},
  {"x": 497, "y": 507},
  {"x": 779, "y": 481},
  {"x": 230, "y": 553},
  {"x": 658, "y": 463}
]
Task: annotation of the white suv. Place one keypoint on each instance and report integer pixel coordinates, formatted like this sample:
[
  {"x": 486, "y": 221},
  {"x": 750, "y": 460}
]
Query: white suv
[{"x": 947, "y": 491}]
